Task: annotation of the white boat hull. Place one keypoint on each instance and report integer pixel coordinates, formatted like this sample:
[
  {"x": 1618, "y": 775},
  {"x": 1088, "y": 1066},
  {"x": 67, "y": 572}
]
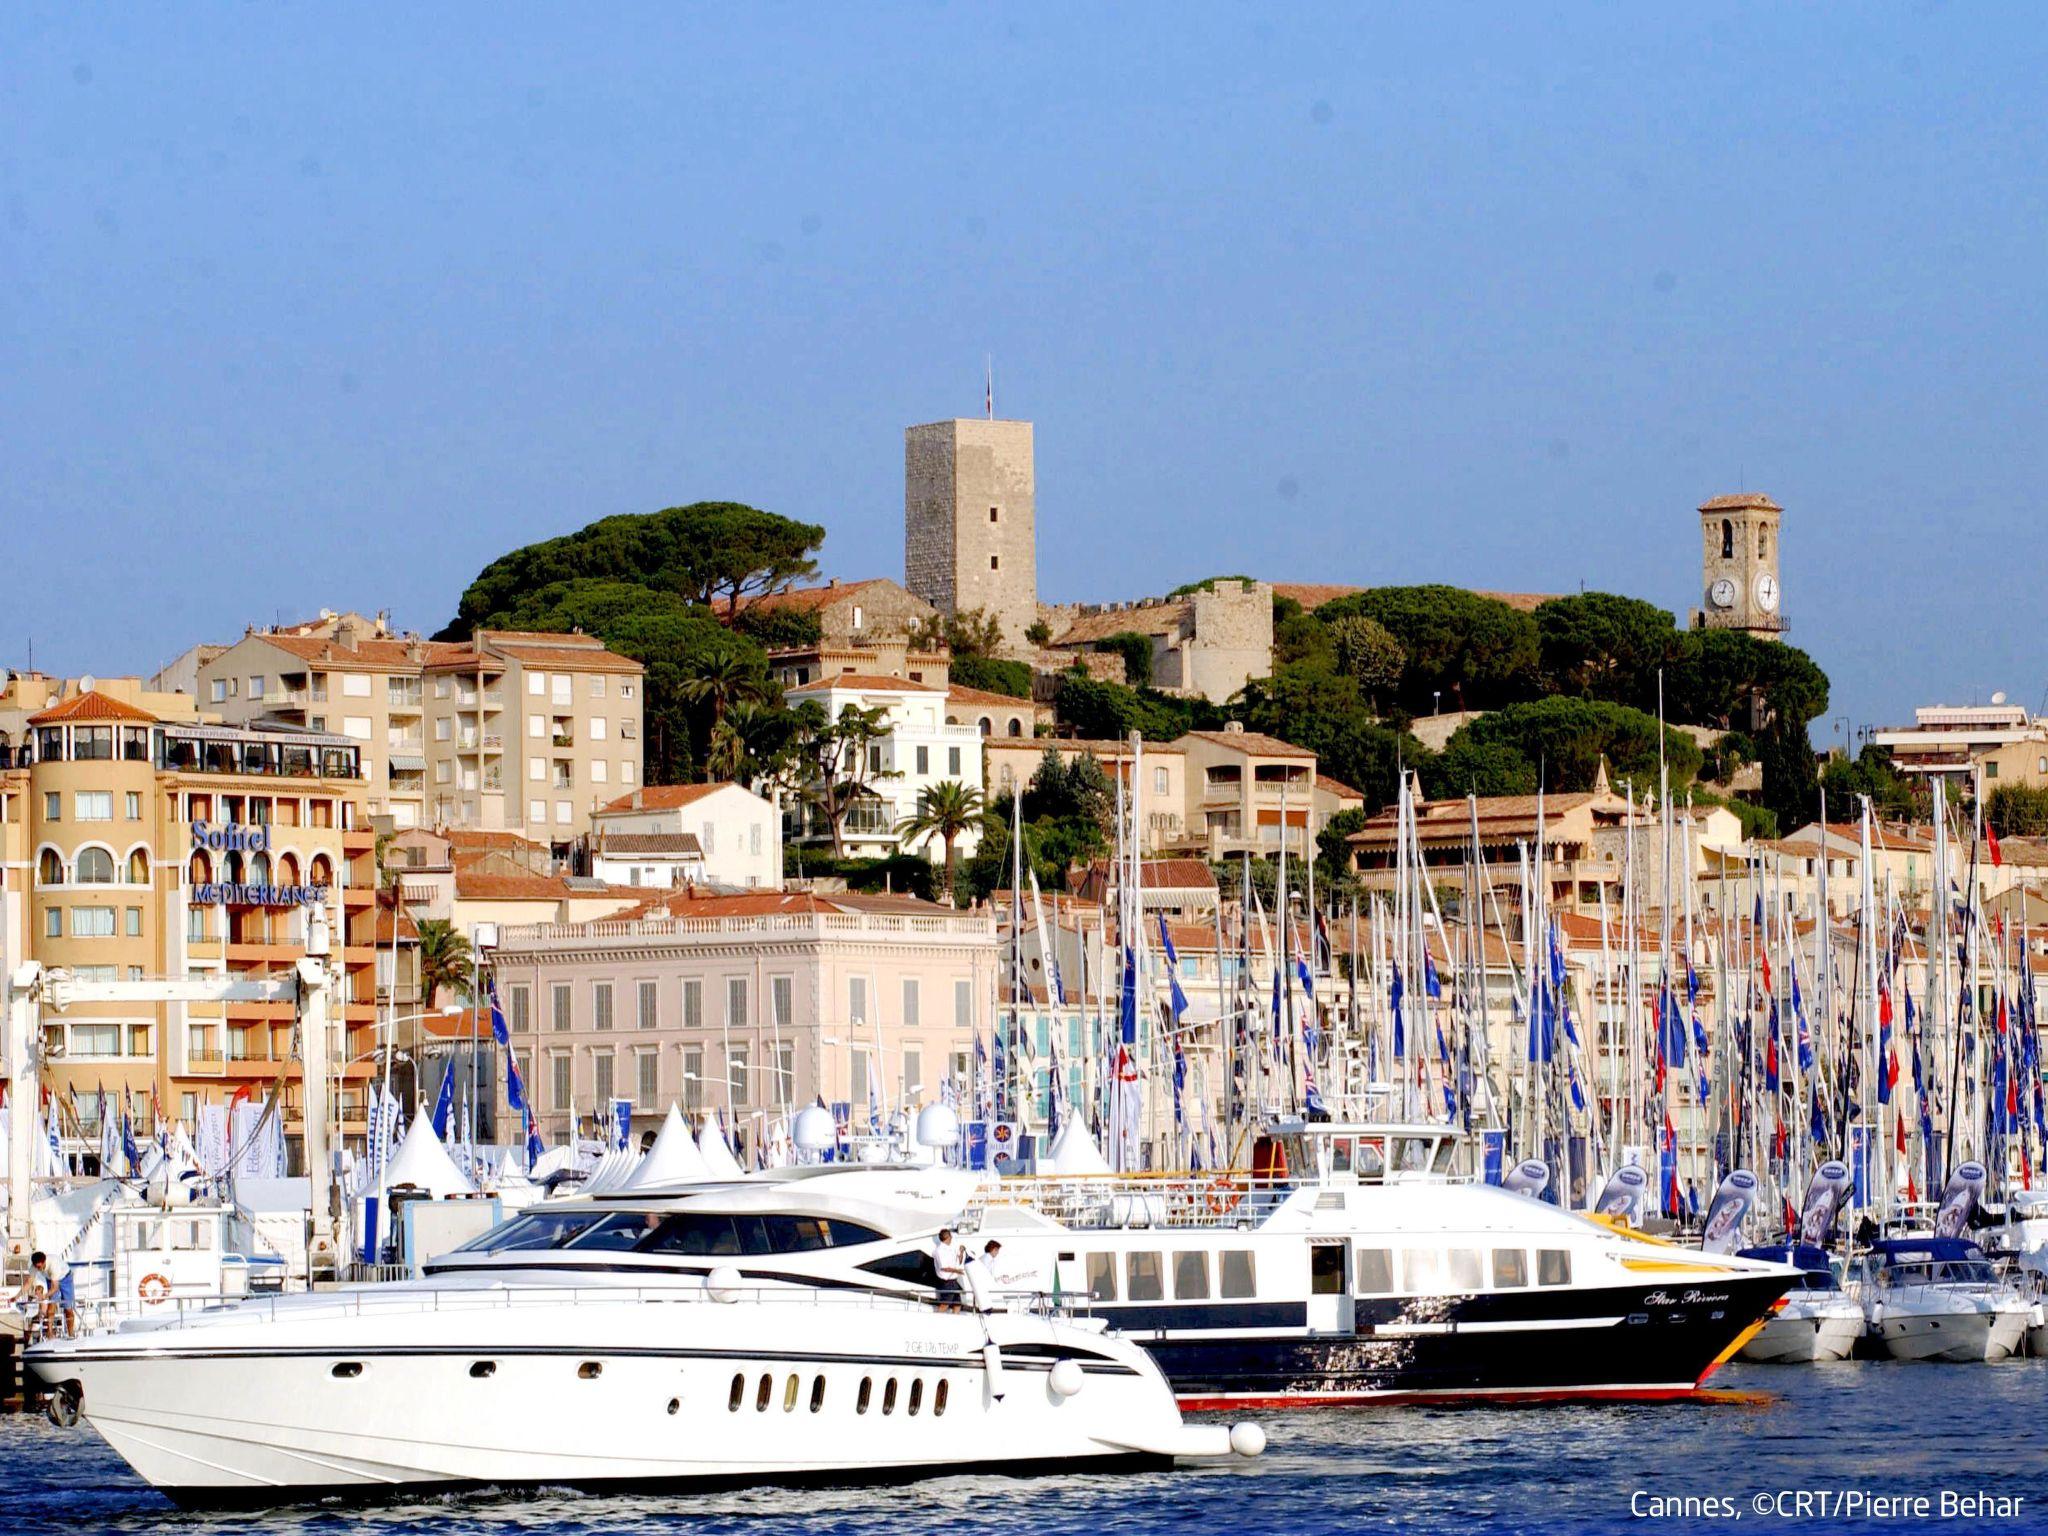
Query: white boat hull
[
  {"x": 1963, "y": 1334},
  {"x": 1806, "y": 1335},
  {"x": 415, "y": 1397}
]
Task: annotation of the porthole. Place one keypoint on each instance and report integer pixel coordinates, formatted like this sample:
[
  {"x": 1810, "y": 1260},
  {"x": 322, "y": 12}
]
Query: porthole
[
  {"x": 763, "y": 1392},
  {"x": 482, "y": 1369},
  {"x": 790, "y": 1388},
  {"x": 939, "y": 1398},
  {"x": 916, "y": 1395},
  {"x": 589, "y": 1370},
  {"x": 739, "y": 1392},
  {"x": 347, "y": 1369},
  {"x": 867, "y": 1394},
  {"x": 675, "y": 1406},
  {"x": 889, "y": 1396},
  {"x": 817, "y": 1393}
]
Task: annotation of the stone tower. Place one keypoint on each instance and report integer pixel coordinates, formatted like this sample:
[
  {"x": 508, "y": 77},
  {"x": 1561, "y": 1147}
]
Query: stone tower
[
  {"x": 1739, "y": 566},
  {"x": 970, "y": 520}
]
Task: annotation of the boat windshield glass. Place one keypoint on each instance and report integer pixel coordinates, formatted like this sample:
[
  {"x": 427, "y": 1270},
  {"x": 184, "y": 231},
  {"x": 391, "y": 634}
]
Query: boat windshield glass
[
  {"x": 689, "y": 1233},
  {"x": 1956, "y": 1272}
]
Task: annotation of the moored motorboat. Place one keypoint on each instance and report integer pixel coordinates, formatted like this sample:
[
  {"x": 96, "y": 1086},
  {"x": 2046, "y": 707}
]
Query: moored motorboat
[
  {"x": 1937, "y": 1298},
  {"x": 1819, "y": 1320}
]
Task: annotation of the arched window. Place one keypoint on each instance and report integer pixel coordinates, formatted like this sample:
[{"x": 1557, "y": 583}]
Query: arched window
[
  {"x": 200, "y": 870},
  {"x": 1763, "y": 543},
  {"x": 287, "y": 869},
  {"x": 1016, "y": 726},
  {"x": 95, "y": 867},
  {"x": 320, "y": 872},
  {"x": 1727, "y": 538},
  {"x": 232, "y": 870},
  {"x": 49, "y": 868},
  {"x": 986, "y": 725},
  {"x": 138, "y": 866},
  {"x": 259, "y": 869}
]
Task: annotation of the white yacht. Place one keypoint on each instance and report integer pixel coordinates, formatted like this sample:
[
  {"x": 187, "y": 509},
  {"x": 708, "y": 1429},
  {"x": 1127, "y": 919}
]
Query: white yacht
[
  {"x": 1937, "y": 1298},
  {"x": 1364, "y": 1263},
  {"x": 647, "y": 1339},
  {"x": 1819, "y": 1320}
]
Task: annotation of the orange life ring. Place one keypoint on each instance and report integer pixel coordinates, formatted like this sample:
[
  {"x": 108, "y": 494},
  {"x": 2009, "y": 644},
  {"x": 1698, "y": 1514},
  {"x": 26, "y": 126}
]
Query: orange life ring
[
  {"x": 1223, "y": 1196},
  {"x": 153, "y": 1289}
]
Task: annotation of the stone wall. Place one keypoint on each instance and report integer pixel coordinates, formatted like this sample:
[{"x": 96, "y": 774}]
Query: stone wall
[{"x": 970, "y": 520}]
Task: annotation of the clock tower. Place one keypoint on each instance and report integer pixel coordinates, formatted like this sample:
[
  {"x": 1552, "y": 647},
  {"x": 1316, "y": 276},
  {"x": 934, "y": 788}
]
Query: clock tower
[{"x": 1739, "y": 566}]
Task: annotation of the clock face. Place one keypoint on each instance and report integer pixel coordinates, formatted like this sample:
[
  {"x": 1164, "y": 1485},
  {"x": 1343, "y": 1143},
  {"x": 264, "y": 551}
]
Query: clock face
[
  {"x": 1723, "y": 593},
  {"x": 1767, "y": 592}
]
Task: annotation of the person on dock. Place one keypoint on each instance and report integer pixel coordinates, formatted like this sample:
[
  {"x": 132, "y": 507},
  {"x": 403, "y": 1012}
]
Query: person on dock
[
  {"x": 949, "y": 1258},
  {"x": 38, "y": 1294}
]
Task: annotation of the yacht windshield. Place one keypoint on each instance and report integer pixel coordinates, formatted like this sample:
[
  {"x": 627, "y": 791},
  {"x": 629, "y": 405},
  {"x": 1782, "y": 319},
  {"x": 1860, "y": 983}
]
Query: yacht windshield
[{"x": 688, "y": 1233}]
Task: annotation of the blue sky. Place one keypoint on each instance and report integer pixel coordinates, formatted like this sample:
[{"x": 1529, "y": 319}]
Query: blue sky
[{"x": 301, "y": 308}]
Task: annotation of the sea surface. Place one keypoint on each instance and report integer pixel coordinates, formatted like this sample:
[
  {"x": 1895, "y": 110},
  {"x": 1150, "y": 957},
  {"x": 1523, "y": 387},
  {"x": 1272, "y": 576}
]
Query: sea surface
[{"x": 1848, "y": 1433}]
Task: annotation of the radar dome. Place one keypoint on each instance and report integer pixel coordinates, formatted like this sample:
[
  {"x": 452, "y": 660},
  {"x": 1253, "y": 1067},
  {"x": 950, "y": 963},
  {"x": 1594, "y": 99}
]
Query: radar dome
[
  {"x": 937, "y": 1126},
  {"x": 813, "y": 1130}
]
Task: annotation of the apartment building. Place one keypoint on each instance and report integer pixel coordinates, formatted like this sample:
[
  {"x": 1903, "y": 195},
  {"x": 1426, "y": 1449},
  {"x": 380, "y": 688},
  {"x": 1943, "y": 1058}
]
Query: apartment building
[
  {"x": 918, "y": 751},
  {"x": 750, "y": 1005},
  {"x": 1244, "y": 788},
  {"x": 140, "y": 842},
  {"x": 509, "y": 729}
]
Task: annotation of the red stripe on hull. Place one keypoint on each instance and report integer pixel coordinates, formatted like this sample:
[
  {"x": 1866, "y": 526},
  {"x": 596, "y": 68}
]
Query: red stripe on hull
[{"x": 1198, "y": 1404}]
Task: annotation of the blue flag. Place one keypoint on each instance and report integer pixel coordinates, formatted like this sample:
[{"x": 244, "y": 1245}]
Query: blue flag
[
  {"x": 515, "y": 1090},
  {"x": 1180, "y": 998},
  {"x": 1395, "y": 993},
  {"x": 444, "y": 1102}
]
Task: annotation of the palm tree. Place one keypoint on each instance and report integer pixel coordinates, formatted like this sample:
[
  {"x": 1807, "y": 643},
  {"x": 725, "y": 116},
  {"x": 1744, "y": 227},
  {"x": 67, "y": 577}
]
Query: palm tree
[
  {"x": 945, "y": 811},
  {"x": 721, "y": 675},
  {"x": 748, "y": 744},
  {"x": 445, "y": 960}
]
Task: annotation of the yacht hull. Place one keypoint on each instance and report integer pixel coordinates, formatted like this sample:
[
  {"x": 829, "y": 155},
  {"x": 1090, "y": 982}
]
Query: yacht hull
[
  {"x": 1964, "y": 1335},
  {"x": 1618, "y": 1343},
  {"x": 1806, "y": 1335},
  {"x": 646, "y": 1395}
]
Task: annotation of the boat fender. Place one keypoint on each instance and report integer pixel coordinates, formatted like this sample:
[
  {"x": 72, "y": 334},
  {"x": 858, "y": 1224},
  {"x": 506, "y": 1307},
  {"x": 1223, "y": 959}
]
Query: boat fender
[
  {"x": 1247, "y": 1439},
  {"x": 724, "y": 1283},
  {"x": 992, "y": 1362},
  {"x": 1065, "y": 1378},
  {"x": 65, "y": 1405}
]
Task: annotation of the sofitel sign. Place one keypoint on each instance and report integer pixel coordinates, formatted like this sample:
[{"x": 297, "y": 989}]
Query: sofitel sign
[{"x": 229, "y": 837}]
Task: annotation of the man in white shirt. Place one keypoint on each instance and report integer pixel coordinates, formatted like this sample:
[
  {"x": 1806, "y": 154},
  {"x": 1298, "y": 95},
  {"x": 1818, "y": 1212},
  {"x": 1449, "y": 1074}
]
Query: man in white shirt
[
  {"x": 981, "y": 1277},
  {"x": 949, "y": 1258}
]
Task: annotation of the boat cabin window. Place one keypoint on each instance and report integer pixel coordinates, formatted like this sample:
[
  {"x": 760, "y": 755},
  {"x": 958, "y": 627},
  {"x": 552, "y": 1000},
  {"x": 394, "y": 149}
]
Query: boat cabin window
[
  {"x": 1235, "y": 1273},
  {"x": 916, "y": 1395},
  {"x": 913, "y": 1267},
  {"x": 817, "y": 1393},
  {"x": 1142, "y": 1278},
  {"x": 764, "y": 1392},
  {"x": 939, "y": 1398},
  {"x": 889, "y": 1395},
  {"x": 1462, "y": 1270},
  {"x": 1326, "y": 1269},
  {"x": 534, "y": 1230},
  {"x": 1422, "y": 1272},
  {"x": 1553, "y": 1266},
  {"x": 1445, "y": 1155},
  {"x": 1191, "y": 1276},
  {"x": 790, "y": 1389},
  {"x": 1510, "y": 1269},
  {"x": 1340, "y": 1154},
  {"x": 1370, "y": 1161},
  {"x": 702, "y": 1234},
  {"x": 1411, "y": 1153},
  {"x": 867, "y": 1394},
  {"x": 1102, "y": 1276},
  {"x": 739, "y": 1392},
  {"x": 1375, "y": 1272}
]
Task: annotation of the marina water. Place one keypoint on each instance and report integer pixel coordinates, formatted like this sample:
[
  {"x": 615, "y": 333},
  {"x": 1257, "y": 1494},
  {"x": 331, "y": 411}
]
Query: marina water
[{"x": 1878, "y": 1426}]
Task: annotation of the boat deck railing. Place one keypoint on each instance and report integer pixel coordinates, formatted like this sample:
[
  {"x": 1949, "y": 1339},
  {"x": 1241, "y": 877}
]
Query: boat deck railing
[
  {"x": 1224, "y": 1200},
  {"x": 368, "y": 1300}
]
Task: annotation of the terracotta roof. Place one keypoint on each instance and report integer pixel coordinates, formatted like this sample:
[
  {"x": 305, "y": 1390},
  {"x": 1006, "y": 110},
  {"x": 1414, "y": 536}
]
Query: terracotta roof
[
  {"x": 1156, "y": 875},
  {"x": 1254, "y": 743},
  {"x": 379, "y": 655},
  {"x": 576, "y": 657},
  {"x": 1337, "y": 787},
  {"x": 1313, "y": 594},
  {"x": 473, "y": 886},
  {"x": 1151, "y": 619},
  {"x": 959, "y": 695},
  {"x": 662, "y": 797},
  {"x": 1100, "y": 746},
  {"x": 690, "y": 901},
  {"x": 683, "y": 844},
  {"x": 1738, "y": 500},
  {"x": 90, "y": 707},
  {"x": 867, "y": 682},
  {"x": 479, "y": 838},
  {"x": 799, "y": 599}
]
